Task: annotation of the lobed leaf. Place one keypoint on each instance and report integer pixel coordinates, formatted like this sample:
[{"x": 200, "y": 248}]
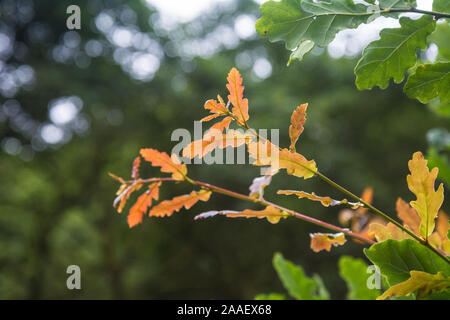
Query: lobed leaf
[
  {"x": 421, "y": 183},
  {"x": 395, "y": 52},
  {"x": 389, "y": 231},
  {"x": 324, "y": 241},
  {"x": 325, "y": 201},
  {"x": 298, "y": 119},
  {"x": 236, "y": 96},
  {"x": 430, "y": 81},
  {"x": 139, "y": 209},
  {"x": 167, "y": 164},
  {"x": 135, "y": 168},
  {"x": 168, "y": 207},
  {"x": 408, "y": 215}
]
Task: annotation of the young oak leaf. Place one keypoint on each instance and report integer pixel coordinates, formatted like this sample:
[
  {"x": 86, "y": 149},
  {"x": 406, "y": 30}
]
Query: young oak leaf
[
  {"x": 258, "y": 185},
  {"x": 389, "y": 231},
  {"x": 216, "y": 108},
  {"x": 272, "y": 214},
  {"x": 236, "y": 96},
  {"x": 168, "y": 207},
  {"x": 408, "y": 215},
  {"x": 324, "y": 241},
  {"x": 325, "y": 201},
  {"x": 167, "y": 164},
  {"x": 421, "y": 183},
  {"x": 421, "y": 282},
  {"x": 298, "y": 119},
  {"x": 135, "y": 168},
  {"x": 139, "y": 209}
]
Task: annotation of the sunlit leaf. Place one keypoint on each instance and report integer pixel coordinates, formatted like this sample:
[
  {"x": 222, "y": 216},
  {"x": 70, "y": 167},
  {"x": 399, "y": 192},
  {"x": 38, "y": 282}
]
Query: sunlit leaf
[
  {"x": 167, "y": 164},
  {"x": 139, "y": 209},
  {"x": 389, "y": 231},
  {"x": 236, "y": 96},
  {"x": 168, "y": 207},
  {"x": 302, "y": 49},
  {"x": 124, "y": 194},
  {"x": 408, "y": 215},
  {"x": 324, "y": 241},
  {"x": 325, "y": 201},
  {"x": 298, "y": 119},
  {"x": 421, "y": 183},
  {"x": 422, "y": 283}
]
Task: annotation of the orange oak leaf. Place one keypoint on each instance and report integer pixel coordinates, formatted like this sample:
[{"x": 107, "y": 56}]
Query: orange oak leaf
[
  {"x": 298, "y": 119},
  {"x": 324, "y": 241},
  {"x": 124, "y": 193},
  {"x": 389, "y": 231},
  {"x": 438, "y": 238},
  {"x": 325, "y": 201},
  {"x": 139, "y": 209},
  {"x": 168, "y": 207},
  {"x": 421, "y": 183},
  {"x": 236, "y": 96},
  {"x": 167, "y": 164},
  {"x": 408, "y": 215},
  {"x": 216, "y": 108},
  {"x": 272, "y": 214},
  {"x": 135, "y": 168}
]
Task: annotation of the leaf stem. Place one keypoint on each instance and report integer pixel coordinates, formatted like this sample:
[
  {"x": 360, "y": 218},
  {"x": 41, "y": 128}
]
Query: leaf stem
[{"x": 437, "y": 15}]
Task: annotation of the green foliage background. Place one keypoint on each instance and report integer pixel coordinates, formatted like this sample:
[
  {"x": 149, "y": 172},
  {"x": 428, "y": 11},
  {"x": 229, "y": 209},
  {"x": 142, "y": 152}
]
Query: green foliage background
[{"x": 56, "y": 209}]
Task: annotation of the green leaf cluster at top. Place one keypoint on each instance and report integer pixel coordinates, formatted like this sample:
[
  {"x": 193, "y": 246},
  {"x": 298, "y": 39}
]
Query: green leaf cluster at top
[{"x": 303, "y": 24}]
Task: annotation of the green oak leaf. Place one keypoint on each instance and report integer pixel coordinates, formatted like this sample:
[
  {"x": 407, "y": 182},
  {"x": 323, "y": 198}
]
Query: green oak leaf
[
  {"x": 294, "y": 21},
  {"x": 296, "y": 282},
  {"x": 354, "y": 272},
  {"x": 395, "y": 52},
  {"x": 397, "y": 258},
  {"x": 304, "y": 47},
  {"x": 430, "y": 81}
]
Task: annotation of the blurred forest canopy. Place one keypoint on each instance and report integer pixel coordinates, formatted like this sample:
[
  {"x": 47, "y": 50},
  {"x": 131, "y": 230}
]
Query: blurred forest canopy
[{"x": 76, "y": 105}]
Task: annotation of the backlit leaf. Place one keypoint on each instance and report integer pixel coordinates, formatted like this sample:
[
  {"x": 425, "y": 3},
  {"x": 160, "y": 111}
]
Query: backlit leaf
[
  {"x": 421, "y": 183},
  {"x": 216, "y": 108},
  {"x": 236, "y": 96},
  {"x": 298, "y": 119},
  {"x": 124, "y": 194},
  {"x": 302, "y": 49},
  {"x": 389, "y": 231},
  {"x": 167, "y": 164},
  {"x": 168, "y": 207},
  {"x": 408, "y": 215},
  {"x": 139, "y": 209},
  {"x": 324, "y": 241},
  {"x": 421, "y": 282},
  {"x": 395, "y": 52}
]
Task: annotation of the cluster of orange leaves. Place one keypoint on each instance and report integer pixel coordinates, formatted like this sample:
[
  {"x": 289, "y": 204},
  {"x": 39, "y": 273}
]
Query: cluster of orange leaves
[{"x": 419, "y": 217}]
